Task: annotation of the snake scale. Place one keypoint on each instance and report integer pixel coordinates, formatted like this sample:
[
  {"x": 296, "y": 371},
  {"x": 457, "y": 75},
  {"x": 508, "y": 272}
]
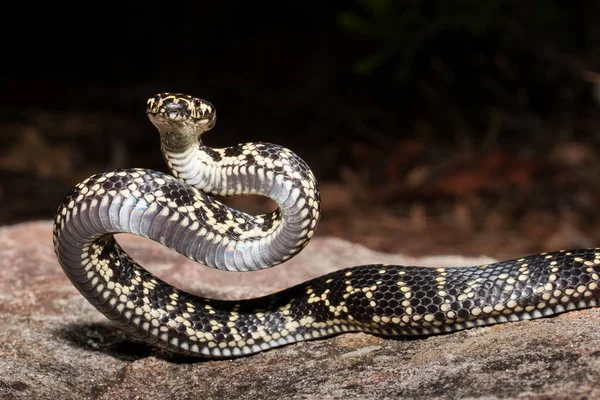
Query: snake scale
[{"x": 180, "y": 212}]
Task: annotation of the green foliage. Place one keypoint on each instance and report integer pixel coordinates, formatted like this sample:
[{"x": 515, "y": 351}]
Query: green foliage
[{"x": 400, "y": 29}]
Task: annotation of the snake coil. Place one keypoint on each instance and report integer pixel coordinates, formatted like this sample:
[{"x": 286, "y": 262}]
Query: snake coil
[{"x": 179, "y": 212}]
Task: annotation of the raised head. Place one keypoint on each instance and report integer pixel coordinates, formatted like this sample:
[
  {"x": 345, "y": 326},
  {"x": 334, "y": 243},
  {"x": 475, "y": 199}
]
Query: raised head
[{"x": 180, "y": 114}]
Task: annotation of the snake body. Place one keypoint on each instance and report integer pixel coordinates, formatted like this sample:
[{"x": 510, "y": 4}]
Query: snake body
[{"x": 179, "y": 212}]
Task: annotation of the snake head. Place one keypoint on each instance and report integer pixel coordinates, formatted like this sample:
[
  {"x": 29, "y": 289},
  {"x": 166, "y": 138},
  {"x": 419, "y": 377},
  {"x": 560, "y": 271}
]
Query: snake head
[{"x": 174, "y": 111}]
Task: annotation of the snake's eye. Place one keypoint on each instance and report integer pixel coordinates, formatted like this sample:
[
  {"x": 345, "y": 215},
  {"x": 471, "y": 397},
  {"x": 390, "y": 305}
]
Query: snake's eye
[{"x": 197, "y": 102}]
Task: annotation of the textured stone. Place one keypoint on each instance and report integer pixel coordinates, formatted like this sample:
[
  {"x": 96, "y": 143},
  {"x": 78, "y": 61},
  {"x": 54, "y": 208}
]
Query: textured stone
[{"x": 53, "y": 344}]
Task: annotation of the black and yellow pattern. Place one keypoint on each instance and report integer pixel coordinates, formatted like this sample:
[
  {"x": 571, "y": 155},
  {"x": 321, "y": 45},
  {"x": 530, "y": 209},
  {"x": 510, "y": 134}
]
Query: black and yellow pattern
[{"x": 382, "y": 299}]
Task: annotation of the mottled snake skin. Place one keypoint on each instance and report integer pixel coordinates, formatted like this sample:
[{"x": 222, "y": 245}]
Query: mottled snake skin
[{"x": 179, "y": 212}]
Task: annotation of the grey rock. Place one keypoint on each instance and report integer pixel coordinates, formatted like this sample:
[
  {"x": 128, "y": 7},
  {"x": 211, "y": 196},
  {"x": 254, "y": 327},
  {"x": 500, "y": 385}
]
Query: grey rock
[{"x": 54, "y": 345}]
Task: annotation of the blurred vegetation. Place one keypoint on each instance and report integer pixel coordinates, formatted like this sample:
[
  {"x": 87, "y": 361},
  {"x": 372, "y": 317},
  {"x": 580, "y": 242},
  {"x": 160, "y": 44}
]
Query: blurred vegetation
[
  {"x": 404, "y": 30},
  {"x": 482, "y": 60}
]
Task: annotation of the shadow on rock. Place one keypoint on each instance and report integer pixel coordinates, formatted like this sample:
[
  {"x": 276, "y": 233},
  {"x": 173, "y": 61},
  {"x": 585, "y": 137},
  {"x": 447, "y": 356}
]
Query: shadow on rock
[{"x": 110, "y": 340}]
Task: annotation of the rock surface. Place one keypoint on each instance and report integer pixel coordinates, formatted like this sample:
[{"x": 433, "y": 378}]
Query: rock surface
[{"x": 53, "y": 344}]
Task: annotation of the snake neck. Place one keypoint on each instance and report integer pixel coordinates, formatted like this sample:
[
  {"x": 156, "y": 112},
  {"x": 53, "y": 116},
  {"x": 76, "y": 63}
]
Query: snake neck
[
  {"x": 177, "y": 143},
  {"x": 250, "y": 168}
]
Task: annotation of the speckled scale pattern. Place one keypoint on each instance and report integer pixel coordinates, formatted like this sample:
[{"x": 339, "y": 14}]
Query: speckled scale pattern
[
  {"x": 158, "y": 206},
  {"x": 178, "y": 212}
]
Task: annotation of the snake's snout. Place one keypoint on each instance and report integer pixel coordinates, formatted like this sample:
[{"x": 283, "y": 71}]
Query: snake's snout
[
  {"x": 176, "y": 111},
  {"x": 181, "y": 107}
]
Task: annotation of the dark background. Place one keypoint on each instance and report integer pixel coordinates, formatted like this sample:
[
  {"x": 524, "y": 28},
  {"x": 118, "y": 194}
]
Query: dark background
[{"x": 433, "y": 126}]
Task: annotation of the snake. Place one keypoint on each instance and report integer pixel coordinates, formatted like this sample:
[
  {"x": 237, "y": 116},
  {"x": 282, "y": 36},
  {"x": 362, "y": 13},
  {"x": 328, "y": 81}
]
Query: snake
[{"x": 185, "y": 212}]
